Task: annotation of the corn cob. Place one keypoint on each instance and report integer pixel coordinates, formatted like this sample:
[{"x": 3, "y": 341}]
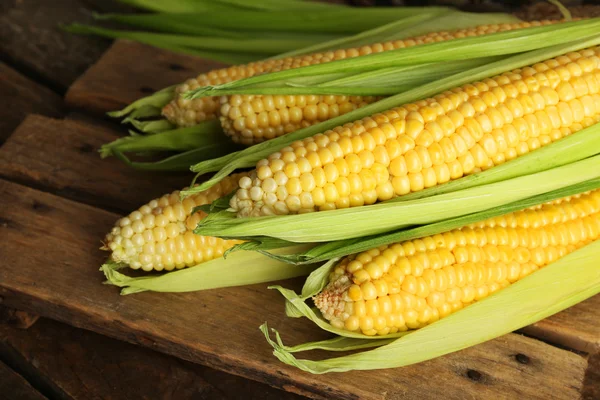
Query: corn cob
[
  {"x": 420, "y": 145},
  {"x": 159, "y": 235},
  {"x": 412, "y": 284},
  {"x": 253, "y": 119}
]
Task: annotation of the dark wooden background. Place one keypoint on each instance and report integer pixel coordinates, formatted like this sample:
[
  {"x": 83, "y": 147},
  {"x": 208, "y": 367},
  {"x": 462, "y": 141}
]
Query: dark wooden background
[{"x": 38, "y": 63}]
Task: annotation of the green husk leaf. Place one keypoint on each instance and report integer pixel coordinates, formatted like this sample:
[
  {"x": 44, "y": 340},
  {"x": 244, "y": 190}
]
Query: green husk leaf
[
  {"x": 177, "y": 162},
  {"x": 254, "y": 46},
  {"x": 157, "y": 100},
  {"x": 375, "y": 35},
  {"x": 142, "y": 113},
  {"x": 155, "y": 126},
  {"x": 410, "y": 26},
  {"x": 241, "y": 268},
  {"x": 563, "y": 10},
  {"x": 263, "y": 244},
  {"x": 191, "y": 6},
  {"x": 154, "y": 39},
  {"x": 207, "y": 133},
  {"x": 449, "y": 21},
  {"x": 495, "y": 44},
  {"x": 250, "y": 156},
  {"x": 177, "y": 6},
  {"x": 537, "y": 296},
  {"x": 381, "y": 82},
  {"x": 219, "y": 204},
  {"x": 386, "y": 216},
  {"x": 187, "y": 24},
  {"x": 340, "y": 248},
  {"x": 336, "y": 20},
  {"x": 282, "y": 4},
  {"x": 338, "y": 343},
  {"x": 411, "y": 75}
]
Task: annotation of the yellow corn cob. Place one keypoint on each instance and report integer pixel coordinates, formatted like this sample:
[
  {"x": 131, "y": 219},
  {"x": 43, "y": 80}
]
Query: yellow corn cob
[
  {"x": 416, "y": 146},
  {"x": 253, "y": 119},
  {"x": 159, "y": 235},
  {"x": 411, "y": 284},
  {"x": 250, "y": 119}
]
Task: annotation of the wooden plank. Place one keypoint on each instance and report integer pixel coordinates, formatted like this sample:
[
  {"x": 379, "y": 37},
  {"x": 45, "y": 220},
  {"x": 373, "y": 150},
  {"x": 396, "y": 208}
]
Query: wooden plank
[
  {"x": 62, "y": 157},
  {"x": 591, "y": 387},
  {"x": 32, "y": 42},
  {"x": 50, "y": 256},
  {"x": 67, "y": 362},
  {"x": 576, "y": 328},
  {"x": 14, "y": 386},
  {"x": 23, "y": 96},
  {"x": 128, "y": 71}
]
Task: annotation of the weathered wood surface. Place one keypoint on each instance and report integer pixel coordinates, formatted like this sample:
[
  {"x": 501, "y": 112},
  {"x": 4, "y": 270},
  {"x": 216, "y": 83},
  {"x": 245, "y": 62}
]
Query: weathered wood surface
[
  {"x": 33, "y": 41},
  {"x": 71, "y": 363},
  {"x": 129, "y": 71},
  {"x": 577, "y": 327},
  {"x": 21, "y": 96},
  {"x": 591, "y": 386},
  {"x": 55, "y": 241},
  {"x": 16, "y": 318},
  {"x": 62, "y": 156},
  {"x": 15, "y": 387}
]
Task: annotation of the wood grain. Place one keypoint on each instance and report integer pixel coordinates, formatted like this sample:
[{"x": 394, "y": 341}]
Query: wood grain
[
  {"x": 128, "y": 71},
  {"x": 62, "y": 156},
  {"x": 591, "y": 386},
  {"x": 577, "y": 327},
  {"x": 13, "y": 386},
  {"x": 21, "y": 96},
  {"x": 71, "y": 363},
  {"x": 49, "y": 266},
  {"x": 33, "y": 42}
]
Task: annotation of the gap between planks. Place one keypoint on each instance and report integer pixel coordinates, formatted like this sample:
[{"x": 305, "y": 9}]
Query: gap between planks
[
  {"x": 54, "y": 241},
  {"x": 14, "y": 386}
]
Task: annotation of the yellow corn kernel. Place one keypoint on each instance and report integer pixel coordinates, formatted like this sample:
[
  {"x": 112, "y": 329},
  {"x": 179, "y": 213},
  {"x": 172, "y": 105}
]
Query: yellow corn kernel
[
  {"x": 253, "y": 119},
  {"x": 159, "y": 235},
  {"x": 473, "y": 144},
  {"x": 433, "y": 277}
]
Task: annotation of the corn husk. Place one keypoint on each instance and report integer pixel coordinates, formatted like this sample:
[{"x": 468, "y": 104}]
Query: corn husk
[
  {"x": 384, "y": 217},
  {"x": 241, "y": 268},
  {"x": 537, "y": 296}
]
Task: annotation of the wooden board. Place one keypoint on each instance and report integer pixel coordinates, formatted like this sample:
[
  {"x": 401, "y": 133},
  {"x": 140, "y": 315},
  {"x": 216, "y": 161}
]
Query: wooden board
[
  {"x": 128, "y": 71},
  {"x": 67, "y": 363},
  {"x": 50, "y": 257},
  {"x": 33, "y": 41},
  {"x": 591, "y": 385},
  {"x": 21, "y": 96},
  {"x": 13, "y": 386},
  {"x": 62, "y": 156},
  {"x": 576, "y": 328}
]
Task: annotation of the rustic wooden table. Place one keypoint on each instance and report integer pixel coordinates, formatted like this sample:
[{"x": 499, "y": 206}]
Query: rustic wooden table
[{"x": 57, "y": 199}]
